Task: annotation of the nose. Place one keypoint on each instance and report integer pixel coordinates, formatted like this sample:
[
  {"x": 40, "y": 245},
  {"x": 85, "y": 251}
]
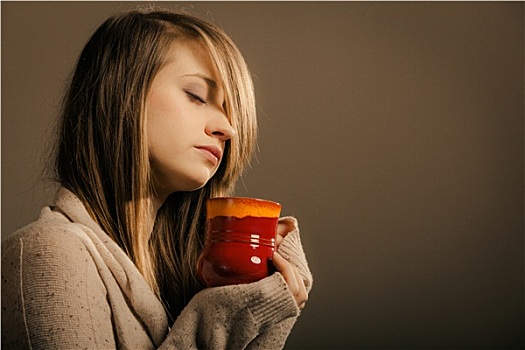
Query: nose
[{"x": 219, "y": 126}]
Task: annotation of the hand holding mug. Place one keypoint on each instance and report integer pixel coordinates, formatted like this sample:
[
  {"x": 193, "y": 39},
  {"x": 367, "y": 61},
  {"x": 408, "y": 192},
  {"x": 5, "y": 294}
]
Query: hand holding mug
[{"x": 290, "y": 273}]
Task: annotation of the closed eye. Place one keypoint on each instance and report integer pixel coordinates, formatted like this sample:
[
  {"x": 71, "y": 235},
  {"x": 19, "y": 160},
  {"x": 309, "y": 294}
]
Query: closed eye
[{"x": 194, "y": 97}]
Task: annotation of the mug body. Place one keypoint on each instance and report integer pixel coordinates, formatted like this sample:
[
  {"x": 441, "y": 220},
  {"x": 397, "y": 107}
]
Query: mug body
[{"x": 240, "y": 241}]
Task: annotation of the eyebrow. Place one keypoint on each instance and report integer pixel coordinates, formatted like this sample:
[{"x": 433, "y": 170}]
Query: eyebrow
[{"x": 211, "y": 83}]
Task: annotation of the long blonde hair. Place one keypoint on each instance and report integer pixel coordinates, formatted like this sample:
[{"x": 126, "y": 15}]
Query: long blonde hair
[{"x": 102, "y": 154}]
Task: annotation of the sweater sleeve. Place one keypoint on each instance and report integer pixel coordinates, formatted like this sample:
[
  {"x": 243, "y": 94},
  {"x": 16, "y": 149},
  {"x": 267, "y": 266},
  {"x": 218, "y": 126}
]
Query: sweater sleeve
[
  {"x": 291, "y": 249},
  {"x": 231, "y": 317},
  {"x": 259, "y": 315},
  {"x": 52, "y": 294}
]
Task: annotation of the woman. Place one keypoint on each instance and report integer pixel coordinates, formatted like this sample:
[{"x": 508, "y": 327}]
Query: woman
[{"x": 159, "y": 116}]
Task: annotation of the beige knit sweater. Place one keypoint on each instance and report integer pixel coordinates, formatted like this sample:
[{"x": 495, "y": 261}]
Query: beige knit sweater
[{"x": 67, "y": 285}]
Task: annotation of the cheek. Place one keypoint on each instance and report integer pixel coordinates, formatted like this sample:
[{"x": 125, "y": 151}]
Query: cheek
[
  {"x": 162, "y": 119},
  {"x": 159, "y": 99}
]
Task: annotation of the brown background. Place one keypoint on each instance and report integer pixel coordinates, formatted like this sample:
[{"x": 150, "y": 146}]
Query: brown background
[{"x": 393, "y": 131}]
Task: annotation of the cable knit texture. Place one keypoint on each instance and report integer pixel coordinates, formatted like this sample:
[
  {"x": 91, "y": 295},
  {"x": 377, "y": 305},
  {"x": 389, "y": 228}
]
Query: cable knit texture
[{"x": 67, "y": 285}]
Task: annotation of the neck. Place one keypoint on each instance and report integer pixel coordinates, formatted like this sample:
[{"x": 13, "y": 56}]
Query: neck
[{"x": 156, "y": 202}]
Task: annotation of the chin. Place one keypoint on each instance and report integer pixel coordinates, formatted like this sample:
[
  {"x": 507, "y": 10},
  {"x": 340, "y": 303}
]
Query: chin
[
  {"x": 193, "y": 185},
  {"x": 195, "y": 188},
  {"x": 192, "y": 181}
]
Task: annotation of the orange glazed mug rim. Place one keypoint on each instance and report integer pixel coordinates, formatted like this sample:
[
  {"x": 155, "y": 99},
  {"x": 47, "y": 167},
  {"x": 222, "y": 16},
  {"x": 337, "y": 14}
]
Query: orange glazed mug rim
[{"x": 242, "y": 207}]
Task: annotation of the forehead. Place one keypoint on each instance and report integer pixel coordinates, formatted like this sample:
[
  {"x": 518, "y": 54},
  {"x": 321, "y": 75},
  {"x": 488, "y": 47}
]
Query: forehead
[{"x": 191, "y": 57}]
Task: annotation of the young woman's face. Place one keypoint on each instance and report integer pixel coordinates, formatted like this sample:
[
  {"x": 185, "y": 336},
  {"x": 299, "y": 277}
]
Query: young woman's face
[{"x": 186, "y": 124}]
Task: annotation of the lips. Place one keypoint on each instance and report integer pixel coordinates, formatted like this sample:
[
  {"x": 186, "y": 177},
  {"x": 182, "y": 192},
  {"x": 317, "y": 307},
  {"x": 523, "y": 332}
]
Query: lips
[{"x": 214, "y": 154}]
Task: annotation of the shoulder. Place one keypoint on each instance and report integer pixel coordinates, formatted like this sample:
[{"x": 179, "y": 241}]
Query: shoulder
[
  {"x": 48, "y": 257},
  {"x": 51, "y": 288},
  {"x": 51, "y": 237}
]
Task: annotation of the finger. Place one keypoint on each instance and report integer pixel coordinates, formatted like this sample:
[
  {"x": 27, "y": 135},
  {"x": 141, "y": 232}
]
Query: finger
[
  {"x": 283, "y": 229},
  {"x": 293, "y": 280},
  {"x": 278, "y": 239},
  {"x": 302, "y": 295},
  {"x": 281, "y": 233},
  {"x": 286, "y": 270}
]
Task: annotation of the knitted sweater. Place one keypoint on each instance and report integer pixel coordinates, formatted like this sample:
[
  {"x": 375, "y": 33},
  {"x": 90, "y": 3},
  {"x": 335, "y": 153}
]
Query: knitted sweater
[{"x": 67, "y": 285}]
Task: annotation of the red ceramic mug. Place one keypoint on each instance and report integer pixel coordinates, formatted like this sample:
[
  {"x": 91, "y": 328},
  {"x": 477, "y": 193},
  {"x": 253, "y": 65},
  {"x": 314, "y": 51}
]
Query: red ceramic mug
[{"x": 240, "y": 240}]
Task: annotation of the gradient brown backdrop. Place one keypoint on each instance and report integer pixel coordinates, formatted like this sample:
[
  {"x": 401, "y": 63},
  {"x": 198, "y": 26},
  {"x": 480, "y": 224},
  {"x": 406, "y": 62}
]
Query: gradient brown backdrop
[{"x": 393, "y": 131}]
